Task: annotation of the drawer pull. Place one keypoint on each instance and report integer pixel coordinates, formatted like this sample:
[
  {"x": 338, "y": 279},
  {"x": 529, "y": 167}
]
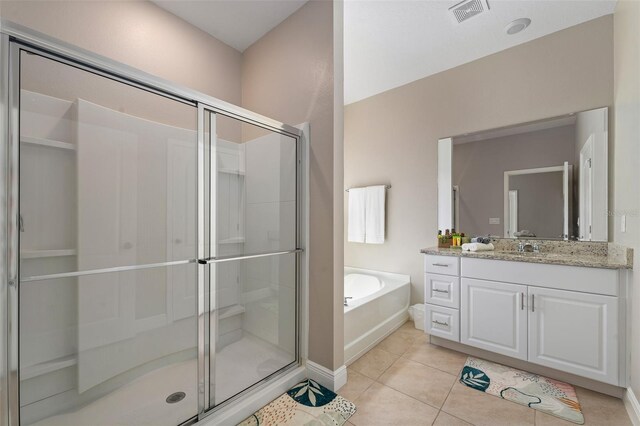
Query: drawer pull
[
  {"x": 446, "y": 324},
  {"x": 442, "y": 265},
  {"x": 441, "y": 291},
  {"x": 522, "y": 301}
]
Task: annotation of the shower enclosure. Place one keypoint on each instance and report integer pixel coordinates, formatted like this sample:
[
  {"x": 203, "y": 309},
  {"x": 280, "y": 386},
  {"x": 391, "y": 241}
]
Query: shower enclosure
[{"x": 152, "y": 247}]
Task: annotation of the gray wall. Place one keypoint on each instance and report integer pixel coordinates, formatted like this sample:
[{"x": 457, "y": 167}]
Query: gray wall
[
  {"x": 139, "y": 34},
  {"x": 291, "y": 75},
  {"x": 478, "y": 170},
  {"x": 540, "y": 203},
  {"x": 626, "y": 156},
  {"x": 392, "y": 137}
]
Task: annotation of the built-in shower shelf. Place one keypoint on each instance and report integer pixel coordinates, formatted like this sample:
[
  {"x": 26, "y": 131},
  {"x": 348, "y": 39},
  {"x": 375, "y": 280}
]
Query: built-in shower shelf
[
  {"x": 234, "y": 240},
  {"x": 47, "y": 367},
  {"x": 230, "y": 311},
  {"x": 47, "y": 142},
  {"x": 36, "y": 254}
]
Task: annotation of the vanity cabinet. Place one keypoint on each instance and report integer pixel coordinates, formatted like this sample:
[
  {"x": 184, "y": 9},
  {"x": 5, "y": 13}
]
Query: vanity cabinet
[{"x": 564, "y": 317}]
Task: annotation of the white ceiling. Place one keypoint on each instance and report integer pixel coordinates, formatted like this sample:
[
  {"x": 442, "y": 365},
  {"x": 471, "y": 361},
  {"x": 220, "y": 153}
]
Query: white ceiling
[
  {"x": 238, "y": 23},
  {"x": 391, "y": 43}
]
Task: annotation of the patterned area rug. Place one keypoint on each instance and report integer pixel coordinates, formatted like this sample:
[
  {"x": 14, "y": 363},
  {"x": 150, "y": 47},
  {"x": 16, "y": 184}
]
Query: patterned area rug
[
  {"x": 550, "y": 396},
  {"x": 307, "y": 403}
]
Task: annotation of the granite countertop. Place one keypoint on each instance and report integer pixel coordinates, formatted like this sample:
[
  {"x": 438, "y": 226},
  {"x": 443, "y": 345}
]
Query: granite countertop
[{"x": 590, "y": 255}]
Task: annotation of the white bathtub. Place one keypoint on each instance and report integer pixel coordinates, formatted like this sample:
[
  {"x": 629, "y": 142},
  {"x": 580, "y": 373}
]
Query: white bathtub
[{"x": 379, "y": 306}]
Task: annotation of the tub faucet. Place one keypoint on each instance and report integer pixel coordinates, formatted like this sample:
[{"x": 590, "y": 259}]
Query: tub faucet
[{"x": 345, "y": 300}]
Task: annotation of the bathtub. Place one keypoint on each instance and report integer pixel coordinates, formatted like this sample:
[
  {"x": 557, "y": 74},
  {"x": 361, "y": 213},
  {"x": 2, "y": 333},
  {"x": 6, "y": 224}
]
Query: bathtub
[{"x": 379, "y": 305}]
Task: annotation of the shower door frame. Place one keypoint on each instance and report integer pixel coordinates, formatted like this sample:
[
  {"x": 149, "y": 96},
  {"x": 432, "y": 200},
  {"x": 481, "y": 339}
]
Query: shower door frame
[
  {"x": 14, "y": 39},
  {"x": 208, "y": 256}
]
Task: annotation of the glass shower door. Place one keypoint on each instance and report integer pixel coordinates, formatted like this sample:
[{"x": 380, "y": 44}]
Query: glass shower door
[
  {"x": 252, "y": 257},
  {"x": 108, "y": 239}
]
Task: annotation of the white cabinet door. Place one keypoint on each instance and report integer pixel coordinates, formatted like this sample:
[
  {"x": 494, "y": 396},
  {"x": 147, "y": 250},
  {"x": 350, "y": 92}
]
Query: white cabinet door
[
  {"x": 493, "y": 317},
  {"x": 574, "y": 332}
]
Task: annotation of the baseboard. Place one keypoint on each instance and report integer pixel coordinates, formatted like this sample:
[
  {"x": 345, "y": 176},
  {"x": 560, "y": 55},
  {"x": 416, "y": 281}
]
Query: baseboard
[
  {"x": 633, "y": 406},
  {"x": 333, "y": 380}
]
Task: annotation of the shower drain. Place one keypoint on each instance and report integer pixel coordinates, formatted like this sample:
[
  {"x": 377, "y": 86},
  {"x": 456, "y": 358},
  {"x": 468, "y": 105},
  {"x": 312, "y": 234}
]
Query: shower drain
[{"x": 175, "y": 397}]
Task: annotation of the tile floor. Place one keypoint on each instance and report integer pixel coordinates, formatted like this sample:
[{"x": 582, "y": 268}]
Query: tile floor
[{"x": 407, "y": 381}]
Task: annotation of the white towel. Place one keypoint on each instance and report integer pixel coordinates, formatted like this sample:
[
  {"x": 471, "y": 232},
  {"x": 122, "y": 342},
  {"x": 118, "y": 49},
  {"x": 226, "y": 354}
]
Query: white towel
[
  {"x": 357, "y": 204},
  {"x": 477, "y": 247},
  {"x": 375, "y": 202}
]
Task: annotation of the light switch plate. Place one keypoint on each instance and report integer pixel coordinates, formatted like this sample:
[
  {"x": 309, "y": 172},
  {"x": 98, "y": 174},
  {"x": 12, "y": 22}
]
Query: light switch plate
[
  {"x": 494, "y": 221},
  {"x": 623, "y": 223}
]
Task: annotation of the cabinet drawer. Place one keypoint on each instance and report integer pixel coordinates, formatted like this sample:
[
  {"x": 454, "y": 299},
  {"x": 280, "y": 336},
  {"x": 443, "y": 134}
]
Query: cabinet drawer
[
  {"x": 447, "y": 265},
  {"x": 442, "y": 322},
  {"x": 442, "y": 290}
]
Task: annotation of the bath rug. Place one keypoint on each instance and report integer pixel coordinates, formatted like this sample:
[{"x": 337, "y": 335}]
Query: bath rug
[
  {"x": 540, "y": 393},
  {"x": 307, "y": 403}
]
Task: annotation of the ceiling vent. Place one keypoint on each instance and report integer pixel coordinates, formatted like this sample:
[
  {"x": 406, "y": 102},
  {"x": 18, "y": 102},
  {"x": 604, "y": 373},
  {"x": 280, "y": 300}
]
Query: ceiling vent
[{"x": 468, "y": 9}]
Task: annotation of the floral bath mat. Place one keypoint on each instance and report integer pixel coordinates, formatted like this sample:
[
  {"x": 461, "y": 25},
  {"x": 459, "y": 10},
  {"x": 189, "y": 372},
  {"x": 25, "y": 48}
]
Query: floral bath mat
[
  {"x": 307, "y": 403},
  {"x": 547, "y": 395}
]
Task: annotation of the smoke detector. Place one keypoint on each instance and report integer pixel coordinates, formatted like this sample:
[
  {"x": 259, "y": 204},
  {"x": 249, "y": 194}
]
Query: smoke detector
[{"x": 467, "y": 9}]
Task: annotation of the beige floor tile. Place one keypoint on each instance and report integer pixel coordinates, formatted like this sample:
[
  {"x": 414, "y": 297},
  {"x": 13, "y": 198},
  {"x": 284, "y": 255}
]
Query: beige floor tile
[
  {"x": 398, "y": 342},
  {"x": 374, "y": 363},
  {"x": 445, "y": 419},
  {"x": 348, "y": 423},
  {"x": 381, "y": 405},
  {"x": 545, "y": 419},
  {"x": 410, "y": 327},
  {"x": 482, "y": 409},
  {"x": 356, "y": 384},
  {"x": 437, "y": 357},
  {"x": 419, "y": 381},
  {"x": 600, "y": 409}
]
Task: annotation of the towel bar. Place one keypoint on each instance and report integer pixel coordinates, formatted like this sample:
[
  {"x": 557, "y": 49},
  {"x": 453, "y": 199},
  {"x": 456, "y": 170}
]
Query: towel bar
[{"x": 386, "y": 186}]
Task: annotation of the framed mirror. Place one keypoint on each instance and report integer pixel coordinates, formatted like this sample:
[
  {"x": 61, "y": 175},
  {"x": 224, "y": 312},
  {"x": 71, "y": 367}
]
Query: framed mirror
[{"x": 545, "y": 179}]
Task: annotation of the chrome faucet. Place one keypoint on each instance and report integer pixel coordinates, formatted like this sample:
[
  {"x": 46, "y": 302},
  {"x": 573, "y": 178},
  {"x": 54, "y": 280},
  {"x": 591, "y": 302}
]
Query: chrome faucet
[
  {"x": 528, "y": 248},
  {"x": 345, "y": 300},
  {"x": 525, "y": 247}
]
